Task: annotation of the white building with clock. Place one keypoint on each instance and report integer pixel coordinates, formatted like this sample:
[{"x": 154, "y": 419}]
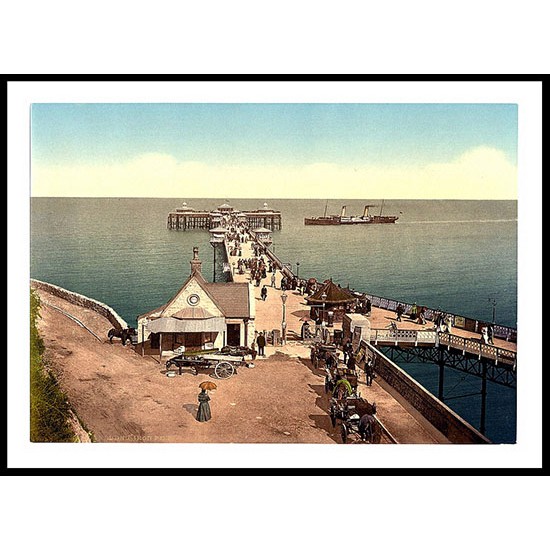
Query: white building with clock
[{"x": 200, "y": 316}]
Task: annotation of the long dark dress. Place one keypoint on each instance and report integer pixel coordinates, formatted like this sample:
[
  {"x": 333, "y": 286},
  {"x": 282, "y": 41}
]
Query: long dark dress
[{"x": 203, "y": 414}]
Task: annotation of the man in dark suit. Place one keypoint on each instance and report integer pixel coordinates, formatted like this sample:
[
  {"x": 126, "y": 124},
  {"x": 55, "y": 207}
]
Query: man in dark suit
[{"x": 261, "y": 344}]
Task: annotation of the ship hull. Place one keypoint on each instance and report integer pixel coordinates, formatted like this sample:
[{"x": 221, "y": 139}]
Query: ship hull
[
  {"x": 321, "y": 221},
  {"x": 351, "y": 221}
]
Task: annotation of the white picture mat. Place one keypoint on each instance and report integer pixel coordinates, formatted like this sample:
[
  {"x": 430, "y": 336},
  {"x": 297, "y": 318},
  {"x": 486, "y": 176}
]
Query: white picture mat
[{"x": 526, "y": 453}]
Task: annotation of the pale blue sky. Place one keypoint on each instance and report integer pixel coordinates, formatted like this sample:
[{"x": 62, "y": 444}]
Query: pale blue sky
[
  {"x": 285, "y": 134},
  {"x": 292, "y": 150}
]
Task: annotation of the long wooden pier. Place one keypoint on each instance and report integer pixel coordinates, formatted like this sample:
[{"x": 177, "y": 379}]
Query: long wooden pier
[{"x": 460, "y": 348}]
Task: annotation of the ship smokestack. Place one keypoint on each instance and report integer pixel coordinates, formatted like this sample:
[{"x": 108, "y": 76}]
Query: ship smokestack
[
  {"x": 343, "y": 211},
  {"x": 366, "y": 211}
]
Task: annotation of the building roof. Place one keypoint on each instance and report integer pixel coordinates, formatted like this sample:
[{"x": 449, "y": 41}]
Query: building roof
[
  {"x": 228, "y": 299},
  {"x": 170, "y": 324},
  {"x": 261, "y": 230},
  {"x": 193, "y": 313},
  {"x": 231, "y": 298},
  {"x": 335, "y": 295}
]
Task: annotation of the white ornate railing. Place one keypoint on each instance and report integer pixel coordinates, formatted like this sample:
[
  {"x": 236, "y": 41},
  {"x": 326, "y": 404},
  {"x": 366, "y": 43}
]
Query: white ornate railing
[
  {"x": 401, "y": 336},
  {"x": 427, "y": 337},
  {"x": 478, "y": 348}
]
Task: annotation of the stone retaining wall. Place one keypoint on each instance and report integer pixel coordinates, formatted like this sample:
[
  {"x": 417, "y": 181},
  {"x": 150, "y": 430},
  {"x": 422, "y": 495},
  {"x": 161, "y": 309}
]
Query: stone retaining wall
[
  {"x": 452, "y": 426},
  {"x": 78, "y": 299}
]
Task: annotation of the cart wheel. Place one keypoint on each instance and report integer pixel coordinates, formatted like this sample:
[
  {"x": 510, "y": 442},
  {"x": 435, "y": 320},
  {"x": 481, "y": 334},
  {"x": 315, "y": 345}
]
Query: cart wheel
[
  {"x": 344, "y": 433},
  {"x": 224, "y": 370}
]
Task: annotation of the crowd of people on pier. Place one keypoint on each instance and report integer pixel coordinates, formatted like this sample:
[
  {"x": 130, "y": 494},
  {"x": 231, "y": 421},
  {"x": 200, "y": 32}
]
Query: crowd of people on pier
[
  {"x": 236, "y": 236},
  {"x": 268, "y": 272}
]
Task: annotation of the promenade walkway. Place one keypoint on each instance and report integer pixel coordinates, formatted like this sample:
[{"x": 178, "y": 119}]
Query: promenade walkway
[
  {"x": 269, "y": 313},
  {"x": 401, "y": 420}
]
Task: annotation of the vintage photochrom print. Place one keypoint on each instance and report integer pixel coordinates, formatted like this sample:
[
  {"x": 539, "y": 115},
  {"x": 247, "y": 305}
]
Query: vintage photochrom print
[{"x": 279, "y": 272}]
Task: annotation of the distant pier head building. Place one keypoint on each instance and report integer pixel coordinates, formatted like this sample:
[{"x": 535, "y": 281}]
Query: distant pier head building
[{"x": 186, "y": 218}]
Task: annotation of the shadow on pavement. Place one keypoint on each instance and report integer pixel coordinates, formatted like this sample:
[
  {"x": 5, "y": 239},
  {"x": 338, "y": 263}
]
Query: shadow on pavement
[
  {"x": 191, "y": 408},
  {"x": 322, "y": 421}
]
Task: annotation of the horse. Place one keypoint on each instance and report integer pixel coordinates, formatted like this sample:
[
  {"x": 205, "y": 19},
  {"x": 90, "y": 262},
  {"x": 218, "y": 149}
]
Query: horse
[
  {"x": 124, "y": 334},
  {"x": 367, "y": 425}
]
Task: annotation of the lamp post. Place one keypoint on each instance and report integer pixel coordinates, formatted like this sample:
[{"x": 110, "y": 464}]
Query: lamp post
[
  {"x": 298, "y": 270},
  {"x": 283, "y": 324},
  {"x": 494, "y": 304},
  {"x": 323, "y": 297}
]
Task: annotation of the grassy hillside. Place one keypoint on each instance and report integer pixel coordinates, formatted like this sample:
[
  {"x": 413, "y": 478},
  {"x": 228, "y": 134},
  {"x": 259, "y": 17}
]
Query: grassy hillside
[{"x": 49, "y": 405}]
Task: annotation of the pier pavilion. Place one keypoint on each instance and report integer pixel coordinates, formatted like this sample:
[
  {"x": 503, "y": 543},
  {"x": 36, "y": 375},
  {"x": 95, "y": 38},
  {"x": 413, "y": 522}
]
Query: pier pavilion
[
  {"x": 200, "y": 316},
  {"x": 186, "y": 218},
  {"x": 330, "y": 302}
]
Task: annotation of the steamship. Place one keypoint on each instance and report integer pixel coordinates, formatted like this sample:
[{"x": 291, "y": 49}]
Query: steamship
[{"x": 342, "y": 219}]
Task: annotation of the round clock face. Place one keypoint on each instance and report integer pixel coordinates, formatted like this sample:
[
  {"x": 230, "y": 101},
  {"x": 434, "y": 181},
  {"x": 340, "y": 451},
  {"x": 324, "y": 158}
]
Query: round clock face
[{"x": 193, "y": 300}]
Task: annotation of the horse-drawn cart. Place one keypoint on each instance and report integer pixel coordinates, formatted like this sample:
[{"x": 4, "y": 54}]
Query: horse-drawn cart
[
  {"x": 224, "y": 362},
  {"x": 322, "y": 353},
  {"x": 357, "y": 416},
  {"x": 334, "y": 376}
]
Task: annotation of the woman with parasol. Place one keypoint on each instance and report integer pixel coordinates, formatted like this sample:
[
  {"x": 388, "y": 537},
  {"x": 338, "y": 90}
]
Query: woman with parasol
[{"x": 203, "y": 413}]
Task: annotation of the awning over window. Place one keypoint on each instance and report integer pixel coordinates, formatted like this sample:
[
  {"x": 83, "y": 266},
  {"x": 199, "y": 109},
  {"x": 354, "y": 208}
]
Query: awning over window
[{"x": 169, "y": 324}]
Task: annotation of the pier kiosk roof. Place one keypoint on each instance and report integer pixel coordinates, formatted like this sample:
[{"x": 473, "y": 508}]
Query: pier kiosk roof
[
  {"x": 263, "y": 235},
  {"x": 261, "y": 230},
  {"x": 334, "y": 295}
]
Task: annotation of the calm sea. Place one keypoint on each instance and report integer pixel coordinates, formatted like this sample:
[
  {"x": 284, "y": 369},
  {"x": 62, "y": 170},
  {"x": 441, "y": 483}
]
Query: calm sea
[{"x": 459, "y": 256}]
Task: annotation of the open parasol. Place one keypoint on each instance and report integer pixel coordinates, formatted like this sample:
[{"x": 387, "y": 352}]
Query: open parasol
[{"x": 207, "y": 385}]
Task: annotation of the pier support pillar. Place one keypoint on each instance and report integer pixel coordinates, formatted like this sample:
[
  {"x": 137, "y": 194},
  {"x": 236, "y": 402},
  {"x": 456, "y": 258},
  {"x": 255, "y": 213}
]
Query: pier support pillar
[
  {"x": 441, "y": 363},
  {"x": 483, "y": 395},
  {"x": 214, "y": 266}
]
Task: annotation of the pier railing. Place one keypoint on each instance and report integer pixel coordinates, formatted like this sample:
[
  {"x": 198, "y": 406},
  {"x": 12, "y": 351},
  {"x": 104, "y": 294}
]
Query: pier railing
[
  {"x": 416, "y": 337},
  {"x": 435, "y": 338},
  {"x": 473, "y": 325},
  {"x": 286, "y": 271},
  {"x": 475, "y": 347}
]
